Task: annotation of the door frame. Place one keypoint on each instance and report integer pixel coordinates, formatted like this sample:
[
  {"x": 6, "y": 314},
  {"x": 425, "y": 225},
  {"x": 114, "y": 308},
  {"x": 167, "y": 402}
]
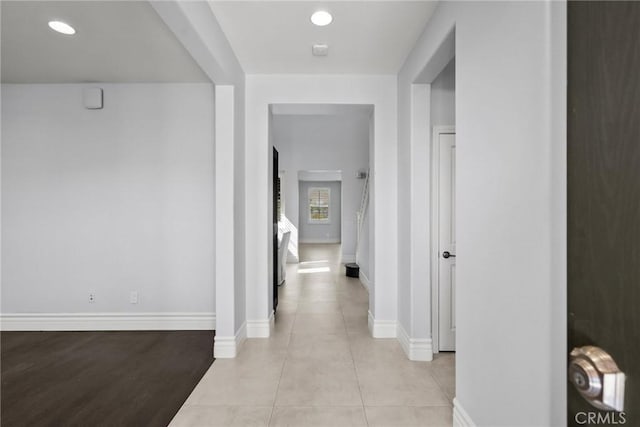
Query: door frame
[
  {"x": 275, "y": 177},
  {"x": 435, "y": 232}
]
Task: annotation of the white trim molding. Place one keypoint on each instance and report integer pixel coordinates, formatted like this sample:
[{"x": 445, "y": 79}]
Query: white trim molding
[
  {"x": 260, "y": 328},
  {"x": 364, "y": 280},
  {"x": 107, "y": 321},
  {"x": 460, "y": 416},
  {"x": 417, "y": 349},
  {"x": 229, "y": 347},
  {"x": 382, "y": 328}
]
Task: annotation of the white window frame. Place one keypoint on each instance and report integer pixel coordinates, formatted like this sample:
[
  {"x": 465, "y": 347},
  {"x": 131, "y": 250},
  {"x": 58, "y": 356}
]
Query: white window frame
[{"x": 314, "y": 220}]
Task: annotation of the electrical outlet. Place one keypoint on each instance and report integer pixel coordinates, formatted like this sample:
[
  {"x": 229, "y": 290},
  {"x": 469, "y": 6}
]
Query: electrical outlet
[
  {"x": 133, "y": 297},
  {"x": 92, "y": 298}
]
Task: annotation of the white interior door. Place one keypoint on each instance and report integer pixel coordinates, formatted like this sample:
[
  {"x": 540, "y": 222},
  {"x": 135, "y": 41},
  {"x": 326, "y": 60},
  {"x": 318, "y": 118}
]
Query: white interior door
[{"x": 446, "y": 241}]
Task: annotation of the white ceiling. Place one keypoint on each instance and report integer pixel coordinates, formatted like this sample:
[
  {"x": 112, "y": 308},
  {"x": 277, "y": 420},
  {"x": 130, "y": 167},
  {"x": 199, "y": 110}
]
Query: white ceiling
[
  {"x": 126, "y": 41},
  {"x": 365, "y": 37},
  {"x": 116, "y": 41}
]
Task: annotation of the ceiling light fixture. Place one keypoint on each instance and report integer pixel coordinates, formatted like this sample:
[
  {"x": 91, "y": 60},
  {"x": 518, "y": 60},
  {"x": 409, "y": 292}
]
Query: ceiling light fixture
[
  {"x": 62, "y": 27},
  {"x": 321, "y": 18}
]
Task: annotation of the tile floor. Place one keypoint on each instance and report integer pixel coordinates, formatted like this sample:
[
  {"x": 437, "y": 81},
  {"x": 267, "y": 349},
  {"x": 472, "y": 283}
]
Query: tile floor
[{"x": 321, "y": 367}]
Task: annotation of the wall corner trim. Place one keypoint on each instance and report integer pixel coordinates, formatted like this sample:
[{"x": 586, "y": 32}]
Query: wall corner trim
[
  {"x": 260, "y": 328},
  {"x": 229, "y": 347},
  {"x": 107, "y": 321},
  {"x": 382, "y": 328},
  {"x": 460, "y": 416},
  {"x": 417, "y": 349}
]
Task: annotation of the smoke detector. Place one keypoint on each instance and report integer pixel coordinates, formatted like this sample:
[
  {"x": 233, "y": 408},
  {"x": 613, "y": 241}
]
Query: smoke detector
[{"x": 320, "y": 50}]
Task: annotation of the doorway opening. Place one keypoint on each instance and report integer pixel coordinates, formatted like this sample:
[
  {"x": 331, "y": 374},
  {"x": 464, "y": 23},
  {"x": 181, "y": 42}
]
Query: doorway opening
[
  {"x": 323, "y": 166},
  {"x": 435, "y": 121},
  {"x": 443, "y": 223}
]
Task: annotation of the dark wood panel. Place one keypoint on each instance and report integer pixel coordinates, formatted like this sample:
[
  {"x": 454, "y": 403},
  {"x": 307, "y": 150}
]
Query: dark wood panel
[
  {"x": 604, "y": 188},
  {"x": 100, "y": 378}
]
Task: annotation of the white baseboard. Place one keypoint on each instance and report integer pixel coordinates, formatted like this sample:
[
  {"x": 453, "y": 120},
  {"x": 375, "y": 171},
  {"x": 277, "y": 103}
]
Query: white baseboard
[
  {"x": 348, "y": 258},
  {"x": 460, "y": 416},
  {"x": 260, "y": 328},
  {"x": 364, "y": 280},
  {"x": 229, "y": 347},
  {"x": 382, "y": 328},
  {"x": 320, "y": 240},
  {"x": 418, "y": 349},
  {"x": 107, "y": 321}
]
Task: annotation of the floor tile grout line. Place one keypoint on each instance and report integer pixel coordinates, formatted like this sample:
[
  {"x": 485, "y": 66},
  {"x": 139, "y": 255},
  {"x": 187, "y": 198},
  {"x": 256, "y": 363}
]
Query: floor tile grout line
[
  {"x": 286, "y": 357},
  {"x": 355, "y": 370},
  {"x": 344, "y": 323},
  {"x": 438, "y": 383}
]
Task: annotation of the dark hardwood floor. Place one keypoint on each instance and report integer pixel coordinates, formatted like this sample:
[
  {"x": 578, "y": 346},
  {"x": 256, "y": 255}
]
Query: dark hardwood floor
[{"x": 136, "y": 378}]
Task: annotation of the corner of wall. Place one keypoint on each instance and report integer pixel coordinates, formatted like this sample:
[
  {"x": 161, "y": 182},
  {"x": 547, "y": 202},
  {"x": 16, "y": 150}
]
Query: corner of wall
[
  {"x": 460, "y": 417},
  {"x": 261, "y": 328},
  {"x": 416, "y": 349},
  {"x": 229, "y": 347},
  {"x": 382, "y": 328}
]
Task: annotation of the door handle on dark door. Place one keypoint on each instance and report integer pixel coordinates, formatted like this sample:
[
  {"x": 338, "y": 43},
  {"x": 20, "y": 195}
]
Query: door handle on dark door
[
  {"x": 597, "y": 378},
  {"x": 447, "y": 254}
]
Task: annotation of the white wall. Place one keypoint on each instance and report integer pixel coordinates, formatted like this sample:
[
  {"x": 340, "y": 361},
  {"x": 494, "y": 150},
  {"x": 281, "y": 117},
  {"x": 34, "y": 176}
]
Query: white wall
[
  {"x": 379, "y": 91},
  {"x": 195, "y": 25},
  {"x": 362, "y": 257},
  {"x": 314, "y": 232},
  {"x": 510, "y": 115},
  {"x": 107, "y": 201},
  {"x": 325, "y": 142},
  {"x": 443, "y": 97},
  {"x": 367, "y": 240},
  {"x": 239, "y": 238}
]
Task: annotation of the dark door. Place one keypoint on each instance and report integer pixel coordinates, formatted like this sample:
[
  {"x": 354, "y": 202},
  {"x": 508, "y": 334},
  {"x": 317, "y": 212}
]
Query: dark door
[
  {"x": 604, "y": 195},
  {"x": 276, "y": 198}
]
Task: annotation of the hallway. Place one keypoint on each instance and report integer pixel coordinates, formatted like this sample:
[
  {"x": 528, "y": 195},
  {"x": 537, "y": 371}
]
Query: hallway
[{"x": 321, "y": 367}]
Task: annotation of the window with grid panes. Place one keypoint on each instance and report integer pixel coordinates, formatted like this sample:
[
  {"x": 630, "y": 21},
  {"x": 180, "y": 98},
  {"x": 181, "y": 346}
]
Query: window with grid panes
[{"x": 319, "y": 204}]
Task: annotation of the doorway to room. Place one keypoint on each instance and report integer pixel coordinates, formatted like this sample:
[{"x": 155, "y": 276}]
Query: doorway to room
[
  {"x": 323, "y": 168},
  {"x": 444, "y": 236},
  {"x": 433, "y": 197},
  {"x": 443, "y": 208}
]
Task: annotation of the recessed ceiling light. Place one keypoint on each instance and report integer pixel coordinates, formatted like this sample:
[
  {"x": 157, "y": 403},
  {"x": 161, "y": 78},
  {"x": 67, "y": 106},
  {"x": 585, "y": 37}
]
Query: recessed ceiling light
[
  {"x": 62, "y": 27},
  {"x": 321, "y": 18}
]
